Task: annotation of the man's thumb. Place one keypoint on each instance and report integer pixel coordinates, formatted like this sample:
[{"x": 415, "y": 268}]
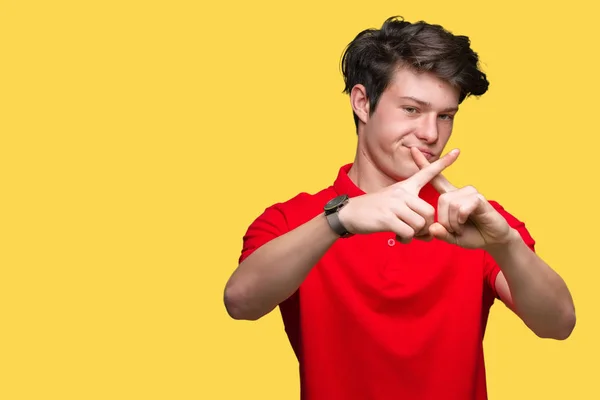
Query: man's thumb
[{"x": 439, "y": 232}]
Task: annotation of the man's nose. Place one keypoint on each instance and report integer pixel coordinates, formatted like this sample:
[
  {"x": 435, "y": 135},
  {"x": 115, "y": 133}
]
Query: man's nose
[{"x": 428, "y": 130}]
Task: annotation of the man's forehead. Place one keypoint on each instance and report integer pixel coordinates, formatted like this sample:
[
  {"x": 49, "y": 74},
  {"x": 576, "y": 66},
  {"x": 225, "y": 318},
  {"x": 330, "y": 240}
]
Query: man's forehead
[{"x": 423, "y": 86}]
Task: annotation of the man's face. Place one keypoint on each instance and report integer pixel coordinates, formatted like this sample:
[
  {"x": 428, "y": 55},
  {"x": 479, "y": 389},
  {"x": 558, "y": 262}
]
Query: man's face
[{"x": 417, "y": 109}]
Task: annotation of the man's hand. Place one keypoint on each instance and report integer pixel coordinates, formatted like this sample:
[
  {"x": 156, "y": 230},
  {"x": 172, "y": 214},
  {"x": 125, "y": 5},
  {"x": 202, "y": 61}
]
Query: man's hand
[
  {"x": 397, "y": 208},
  {"x": 465, "y": 217}
]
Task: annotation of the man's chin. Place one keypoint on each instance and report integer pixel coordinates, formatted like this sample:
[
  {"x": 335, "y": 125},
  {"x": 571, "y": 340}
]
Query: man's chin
[{"x": 405, "y": 171}]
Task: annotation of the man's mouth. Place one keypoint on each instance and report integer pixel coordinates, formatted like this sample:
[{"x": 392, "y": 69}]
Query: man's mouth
[{"x": 428, "y": 154}]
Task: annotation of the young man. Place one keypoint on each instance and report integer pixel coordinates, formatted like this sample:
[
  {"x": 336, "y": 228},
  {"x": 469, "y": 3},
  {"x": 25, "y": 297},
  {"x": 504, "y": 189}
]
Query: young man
[{"x": 385, "y": 279}]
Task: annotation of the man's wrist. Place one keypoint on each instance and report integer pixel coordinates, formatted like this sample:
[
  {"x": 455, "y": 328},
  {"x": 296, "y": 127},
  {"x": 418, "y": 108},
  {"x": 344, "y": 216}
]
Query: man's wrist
[
  {"x": 343, "y": 216},
  {"x": 505, "y": 245},
  {"x": 332, "y": 212}
]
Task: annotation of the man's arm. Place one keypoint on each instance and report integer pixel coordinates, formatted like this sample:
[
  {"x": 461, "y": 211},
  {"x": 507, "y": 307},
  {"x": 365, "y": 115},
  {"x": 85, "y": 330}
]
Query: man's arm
[
  {"x": 536, "y": 293},
  {"x": 533, "y": 290},
  {"x": 278, "y": 264},
  {"x": 275, "y": 270}
]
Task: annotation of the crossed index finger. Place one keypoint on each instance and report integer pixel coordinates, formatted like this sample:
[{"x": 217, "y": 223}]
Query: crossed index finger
[
  {"x": 429, "y": 172},
  {"x": 440, "y": 183}
]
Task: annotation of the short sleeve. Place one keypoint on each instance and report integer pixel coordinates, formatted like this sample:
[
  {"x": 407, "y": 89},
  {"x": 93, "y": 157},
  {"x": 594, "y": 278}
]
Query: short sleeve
[
  {"x": 266, "y": 227},
  {"x": 491, "y": 268}
]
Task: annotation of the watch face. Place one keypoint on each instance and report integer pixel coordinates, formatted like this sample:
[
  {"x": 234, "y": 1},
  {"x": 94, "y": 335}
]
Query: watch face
[{"x": 335, "y": 202}]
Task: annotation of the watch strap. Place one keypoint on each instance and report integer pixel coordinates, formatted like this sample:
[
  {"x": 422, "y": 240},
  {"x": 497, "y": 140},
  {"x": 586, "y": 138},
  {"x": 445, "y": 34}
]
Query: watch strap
[{"x": 336, "y": 224}]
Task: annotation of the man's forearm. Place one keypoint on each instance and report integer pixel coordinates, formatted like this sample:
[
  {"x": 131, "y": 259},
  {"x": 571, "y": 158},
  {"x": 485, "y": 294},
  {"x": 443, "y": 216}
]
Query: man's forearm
[
  {"x": 275, "y": 271},
  {"x": 539, "y": 295}
]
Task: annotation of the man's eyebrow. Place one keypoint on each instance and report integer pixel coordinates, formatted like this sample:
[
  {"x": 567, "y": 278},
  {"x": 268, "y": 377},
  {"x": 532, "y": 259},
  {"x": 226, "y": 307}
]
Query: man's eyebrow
[{"x": 424, "y": 103}]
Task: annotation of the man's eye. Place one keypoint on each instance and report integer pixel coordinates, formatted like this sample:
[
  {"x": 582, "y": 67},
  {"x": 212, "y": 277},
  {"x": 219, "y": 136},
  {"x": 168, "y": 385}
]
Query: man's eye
[
  {"x": 447, "y": 117},
  {"x": 410, "y": 110}
]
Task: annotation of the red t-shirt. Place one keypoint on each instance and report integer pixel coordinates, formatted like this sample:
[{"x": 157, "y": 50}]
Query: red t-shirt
[{"x": 379, "y": 320}]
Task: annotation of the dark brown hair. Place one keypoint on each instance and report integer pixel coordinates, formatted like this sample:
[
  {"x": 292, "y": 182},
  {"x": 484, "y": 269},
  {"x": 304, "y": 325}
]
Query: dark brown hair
[{"x": 374, "y": 54}]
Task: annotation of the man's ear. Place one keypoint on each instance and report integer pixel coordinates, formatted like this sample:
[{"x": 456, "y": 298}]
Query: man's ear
[{"x": 360, "y": 102}]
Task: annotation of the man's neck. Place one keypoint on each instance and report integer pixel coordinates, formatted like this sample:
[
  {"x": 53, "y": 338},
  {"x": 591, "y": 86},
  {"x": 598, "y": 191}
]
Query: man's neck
[{"x": 366, "y": 175}]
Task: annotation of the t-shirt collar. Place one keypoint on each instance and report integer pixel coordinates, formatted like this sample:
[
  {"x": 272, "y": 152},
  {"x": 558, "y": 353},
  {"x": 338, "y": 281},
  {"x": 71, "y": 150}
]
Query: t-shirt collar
[{"x": 344, "y": 185}]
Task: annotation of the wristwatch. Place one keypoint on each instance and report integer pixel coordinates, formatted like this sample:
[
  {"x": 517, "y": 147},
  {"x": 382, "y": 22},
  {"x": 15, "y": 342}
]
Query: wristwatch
[{"x": 332, "y": 208}]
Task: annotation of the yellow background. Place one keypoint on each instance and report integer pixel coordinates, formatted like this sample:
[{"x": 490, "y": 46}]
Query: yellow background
[{"x": 140, "y": 138}]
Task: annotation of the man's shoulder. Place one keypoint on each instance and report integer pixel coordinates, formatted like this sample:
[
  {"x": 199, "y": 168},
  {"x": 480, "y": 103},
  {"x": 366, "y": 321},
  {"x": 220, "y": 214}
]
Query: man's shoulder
[
  {"x": 303, "y": 206},
  {"x": 285, "y": 215},
  {"x": 282, "y": 217},
  {"x": 308, "y": 199}
]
